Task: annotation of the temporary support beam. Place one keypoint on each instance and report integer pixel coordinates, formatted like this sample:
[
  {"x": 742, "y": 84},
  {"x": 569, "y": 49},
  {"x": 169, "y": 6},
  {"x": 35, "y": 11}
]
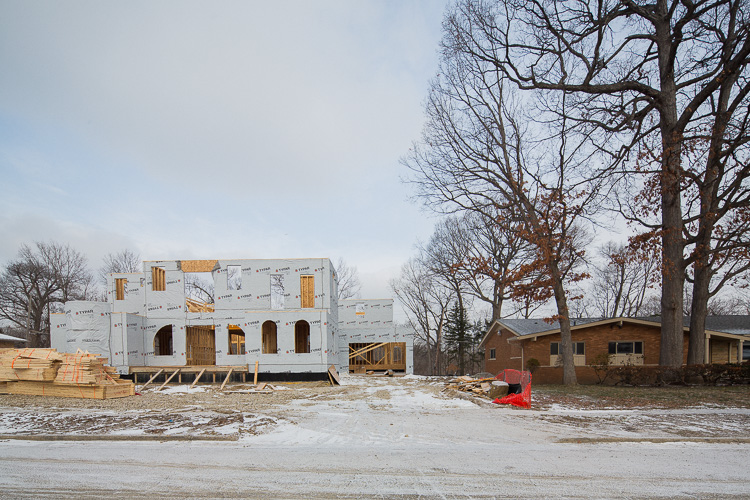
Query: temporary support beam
[
  {"x": 152, "y": 378},
  {"x": 198, "y": 378},
  {"x": 255, "y": 379},
  {"x": 226, "y": 379},
  {"x": 369, "y": 348},
  {"x": 168, "y": 379}
]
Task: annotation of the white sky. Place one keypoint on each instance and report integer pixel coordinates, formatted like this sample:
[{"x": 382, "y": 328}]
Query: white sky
[{"x": 215, "y": 129}]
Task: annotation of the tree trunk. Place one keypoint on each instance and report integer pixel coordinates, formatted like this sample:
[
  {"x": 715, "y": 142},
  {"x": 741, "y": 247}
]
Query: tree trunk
[
  {"x": 673, "y": 270},
  {"x": 698, "y": 313},
  {"x": 566, "y": 338}
]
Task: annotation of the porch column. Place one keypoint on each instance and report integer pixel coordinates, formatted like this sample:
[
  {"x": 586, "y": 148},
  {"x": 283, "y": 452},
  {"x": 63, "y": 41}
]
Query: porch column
[{"x": 706, "y": 352}]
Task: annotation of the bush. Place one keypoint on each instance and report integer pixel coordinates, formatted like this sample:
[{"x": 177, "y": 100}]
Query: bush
[{"x": 532, "y": 364}]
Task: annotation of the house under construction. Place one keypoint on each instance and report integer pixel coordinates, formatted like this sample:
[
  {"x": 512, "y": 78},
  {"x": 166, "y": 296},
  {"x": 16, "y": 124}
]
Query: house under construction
[{"x": 283, "y": 314}]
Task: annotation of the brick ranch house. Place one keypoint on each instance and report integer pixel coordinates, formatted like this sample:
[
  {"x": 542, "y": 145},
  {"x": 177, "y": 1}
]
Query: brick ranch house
[{"x": 511, "y": 343}]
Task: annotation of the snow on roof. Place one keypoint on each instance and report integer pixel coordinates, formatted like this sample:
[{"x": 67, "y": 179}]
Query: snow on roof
[{"x": 14, "y": 339}]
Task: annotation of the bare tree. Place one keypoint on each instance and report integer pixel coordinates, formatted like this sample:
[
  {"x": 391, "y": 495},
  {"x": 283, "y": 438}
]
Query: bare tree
[
  {"x": 476, "y": 156},
  {"x": 200, "y": 287},
  {"x": 426, "y": 304},
  {"x": 636, "y": 74},
  {"x": 349, "y": 284},
  {"x": 622, "y": 284},
  {"x": 38, "y": 282},
  {"x": 124, "y": 261}
]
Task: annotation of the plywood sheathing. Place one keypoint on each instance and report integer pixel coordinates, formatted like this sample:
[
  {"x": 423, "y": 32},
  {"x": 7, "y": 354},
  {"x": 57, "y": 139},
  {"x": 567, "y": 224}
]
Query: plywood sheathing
[{"x": 197, "y": 266}]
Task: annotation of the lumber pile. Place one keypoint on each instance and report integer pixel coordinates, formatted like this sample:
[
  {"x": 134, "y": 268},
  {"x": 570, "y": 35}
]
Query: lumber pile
[
  {"x": 46, "y": 372},
  {"x": 29, "y": 364},
  {"x": 476, "y": 386}
]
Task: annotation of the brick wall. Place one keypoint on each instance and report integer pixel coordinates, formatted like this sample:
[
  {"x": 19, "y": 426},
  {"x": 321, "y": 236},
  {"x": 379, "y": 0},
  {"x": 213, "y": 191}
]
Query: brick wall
[{"x": 507, "y": 355}]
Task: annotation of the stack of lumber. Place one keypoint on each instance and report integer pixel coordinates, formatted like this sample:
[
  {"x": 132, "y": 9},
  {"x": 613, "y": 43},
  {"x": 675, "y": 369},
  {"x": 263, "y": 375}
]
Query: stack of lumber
[
  {"x": 79, "y": 375},
  {"x": 29, "y": 364},
  {"x": 477, "y": 386}
]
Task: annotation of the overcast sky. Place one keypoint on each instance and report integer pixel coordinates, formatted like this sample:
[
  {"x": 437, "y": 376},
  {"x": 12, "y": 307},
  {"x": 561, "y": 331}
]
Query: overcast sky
[{"x": 218, "y": 129}]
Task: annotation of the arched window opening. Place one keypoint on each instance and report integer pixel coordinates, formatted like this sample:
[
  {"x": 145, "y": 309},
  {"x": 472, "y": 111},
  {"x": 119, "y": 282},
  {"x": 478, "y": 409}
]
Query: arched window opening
[
  {"x": 163, "y": 341},
  {"x": 269, "y": 337},
  {"x": 236, "y": 340},
  {"x": 301, "y": 337}
]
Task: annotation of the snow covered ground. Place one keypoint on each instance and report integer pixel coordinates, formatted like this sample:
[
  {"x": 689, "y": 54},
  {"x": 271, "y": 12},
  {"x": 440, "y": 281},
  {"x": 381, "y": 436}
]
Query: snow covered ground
[{"x": 369, "y": 438}]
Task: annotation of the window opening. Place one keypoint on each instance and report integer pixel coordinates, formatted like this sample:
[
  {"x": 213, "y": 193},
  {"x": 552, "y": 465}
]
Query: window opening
[
  {"x": 269, "y": 337},
  {"x": 626, "y": 347},
  {"x": 277, "y": 292},
  {"x": 359, "y": 309},
  {"x": 492, "y": 353},
  {"x": 120, "y": 286},
  {"x": 307, "y": 290},
  {"x": 301, "y": 337},
  {"x": 234, "y": 277},
  {"x": 158, "y": 279},
  {"x": 236, "y": 340},
  {"x": 578, "y": 349},
  {"x": 163, "y": 341}
]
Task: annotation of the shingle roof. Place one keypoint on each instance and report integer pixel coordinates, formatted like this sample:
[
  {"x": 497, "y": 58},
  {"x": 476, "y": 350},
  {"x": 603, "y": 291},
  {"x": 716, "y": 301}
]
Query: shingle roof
[{"x": 734, "y": 324}]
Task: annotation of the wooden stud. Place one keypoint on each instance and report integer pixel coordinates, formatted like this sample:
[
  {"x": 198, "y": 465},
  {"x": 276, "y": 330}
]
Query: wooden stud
[
  {"x": 197, "y": 378},
  {"x": 226, "y": 379},
  {"x": 170, "y": 378},
  {"x": 152, "y": 378},
  {"x": 255, "y": 379}
]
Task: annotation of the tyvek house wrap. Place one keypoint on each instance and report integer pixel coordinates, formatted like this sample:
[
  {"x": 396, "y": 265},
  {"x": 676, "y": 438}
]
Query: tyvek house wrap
[
  {"x": 134, "y": 301},
  {"x": 58, "y": 331},
  {"x": 169, "y": 303},
  {"x": 88, "y": 327}
]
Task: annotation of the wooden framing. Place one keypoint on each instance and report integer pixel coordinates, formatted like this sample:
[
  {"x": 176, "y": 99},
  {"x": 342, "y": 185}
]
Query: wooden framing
[
  {"x": 229, "y": 374},
  {"x": 201, "y": 345},
  {"x": 168, "y": 379},
  {"x": 158, "y": 279},
  {"x": 198, "y": 377},
  {"x": 377, "y": 356},
  {"x": 120, "y": 284},
  {"x": 206, "y": 374},
  {"x": 307, "y": 290},
  {"x": 195, "y": 306},
  {"x": 152, "y": 378}
]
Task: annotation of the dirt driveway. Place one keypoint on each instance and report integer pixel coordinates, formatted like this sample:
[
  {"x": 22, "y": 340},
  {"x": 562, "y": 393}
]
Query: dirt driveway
[{"x": 372, "y": 437}]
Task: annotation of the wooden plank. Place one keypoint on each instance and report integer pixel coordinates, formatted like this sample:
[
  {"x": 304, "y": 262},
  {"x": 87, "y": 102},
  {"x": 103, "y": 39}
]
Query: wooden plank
[
  {"x": 225, "y": 380},
  {"x": 363, "y": 350},
  {"x": 71, "y": 390},
  {"x": 334, "y": 374},
  {"x": 260, "y": 386},
  {"x": 198, "y": 378},
  {"x": 152, "y": 378},
  {"x": 168, "y": 379},
  {"x": 255, "y": 379},
  {"x": 307, "y": 290}
]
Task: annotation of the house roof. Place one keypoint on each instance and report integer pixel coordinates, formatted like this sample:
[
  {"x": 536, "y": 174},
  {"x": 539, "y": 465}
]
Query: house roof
[
  {"x": 10, "y": 338},
  {"x": 721, "y": 326}
]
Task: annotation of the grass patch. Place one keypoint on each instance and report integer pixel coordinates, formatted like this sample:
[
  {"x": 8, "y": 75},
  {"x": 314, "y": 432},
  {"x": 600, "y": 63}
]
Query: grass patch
[{"x": 618, "y": 397}]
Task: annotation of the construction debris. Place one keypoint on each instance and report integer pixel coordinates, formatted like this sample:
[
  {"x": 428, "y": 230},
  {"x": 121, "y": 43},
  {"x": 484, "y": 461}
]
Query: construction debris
[
  {"x": 46, "y": 372},
  {"x": 488, "y": 388}
]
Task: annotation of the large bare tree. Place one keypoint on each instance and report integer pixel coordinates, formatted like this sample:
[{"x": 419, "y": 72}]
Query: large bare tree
[
  {"x": 38, "y": 282},
  {"x": 477, "y": 156},
  {"x": 636, "y": 73}
]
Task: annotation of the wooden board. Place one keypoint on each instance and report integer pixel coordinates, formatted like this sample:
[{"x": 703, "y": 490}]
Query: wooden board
[
  {"x": 334, "y": 375},
  {"x": 109, "y": 391}
]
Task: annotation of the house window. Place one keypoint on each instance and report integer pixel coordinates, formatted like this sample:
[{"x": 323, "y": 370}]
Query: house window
[
  {"x": 269, "y": 337},
  {"x": 158, "y": 279},
  {"x": 359, "y": 309},
  {"x": 301, "y": 337},
  {"x": 307, "y": 290},
  {"x": 234, "y": 277},
  {"x": 626, "y": 347},
  {"x": 492, "y": 353},
  {"x": 578, "y": 349},
  {"x": 120, "y": 285},
  {"x": 277, "y": 292},
  {"x": 579, "y": 354},
  {"x": 163, "y": 341},
  {"x": 236, "y": 340}
]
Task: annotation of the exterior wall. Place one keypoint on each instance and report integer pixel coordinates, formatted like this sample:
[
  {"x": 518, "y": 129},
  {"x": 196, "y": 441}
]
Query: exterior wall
[
  {"x": 507, "y": 354},
  {"x": 370, "y": 321}
]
